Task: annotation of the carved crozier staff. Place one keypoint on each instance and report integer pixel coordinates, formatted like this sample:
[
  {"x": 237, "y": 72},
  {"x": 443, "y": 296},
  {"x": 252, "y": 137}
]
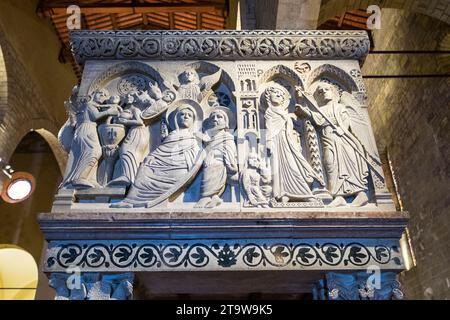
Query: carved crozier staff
[{"x": 345, "y": 134}]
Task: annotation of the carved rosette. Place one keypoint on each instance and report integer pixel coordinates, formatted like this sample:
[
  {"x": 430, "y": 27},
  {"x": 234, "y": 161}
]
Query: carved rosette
[{"x": 219, "y": 45}]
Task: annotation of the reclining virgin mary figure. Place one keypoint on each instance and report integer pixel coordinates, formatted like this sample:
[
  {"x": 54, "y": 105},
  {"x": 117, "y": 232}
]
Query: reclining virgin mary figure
[{"x": 171, "y": 166}]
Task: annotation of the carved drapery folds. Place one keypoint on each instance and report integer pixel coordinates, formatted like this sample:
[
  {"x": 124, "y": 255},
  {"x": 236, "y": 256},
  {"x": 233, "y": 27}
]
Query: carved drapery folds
[{"x": 252, "y": 132}]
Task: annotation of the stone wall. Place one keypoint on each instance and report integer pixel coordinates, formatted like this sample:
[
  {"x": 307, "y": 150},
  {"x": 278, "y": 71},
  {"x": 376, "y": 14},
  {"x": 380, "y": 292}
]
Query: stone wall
[
  {"x": 439, "y": 9},
  {"x": 36, "y": 83},
  {"x": 410, "y": 117}
]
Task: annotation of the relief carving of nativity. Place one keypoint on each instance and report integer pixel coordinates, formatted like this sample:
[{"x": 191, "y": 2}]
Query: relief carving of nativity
[{"x": 221, "y": 135}]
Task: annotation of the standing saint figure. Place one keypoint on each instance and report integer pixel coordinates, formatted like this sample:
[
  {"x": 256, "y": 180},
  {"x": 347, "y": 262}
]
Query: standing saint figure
[
  {"x": 292, "y": 174},
  {"x": 347, "y": 171},
  {"x": 135, "y": 146},
  {"x": 220, "y": 164},
  {"x": 170, "y": 166},
  {"x": 85, "y": 150}
]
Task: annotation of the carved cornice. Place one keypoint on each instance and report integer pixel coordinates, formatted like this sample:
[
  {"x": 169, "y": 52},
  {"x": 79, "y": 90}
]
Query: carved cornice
[
  {"x": 221, "y": 225},
  {"x": 219, "y": 45}
]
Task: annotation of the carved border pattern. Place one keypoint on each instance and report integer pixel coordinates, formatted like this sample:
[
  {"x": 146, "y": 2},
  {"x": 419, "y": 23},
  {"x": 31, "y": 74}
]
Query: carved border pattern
[
  {"x": 220, "y": 255},
  {"x": 219, "y": 45}
]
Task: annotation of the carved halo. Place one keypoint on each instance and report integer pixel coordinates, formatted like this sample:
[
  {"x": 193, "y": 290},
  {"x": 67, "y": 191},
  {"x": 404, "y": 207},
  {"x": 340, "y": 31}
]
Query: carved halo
[
  {"x": 283, "y": 72},
  {"x": 273, "y": 84},
  {"x": 335, "y": 75},
  {"x": 171, "y": 111}
]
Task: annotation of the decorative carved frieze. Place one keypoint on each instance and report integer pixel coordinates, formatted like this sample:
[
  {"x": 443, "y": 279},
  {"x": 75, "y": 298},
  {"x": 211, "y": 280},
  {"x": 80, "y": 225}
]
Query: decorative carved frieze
[
  {"x": 219, "y": 45},
  {"x": 248, "y": 254}
]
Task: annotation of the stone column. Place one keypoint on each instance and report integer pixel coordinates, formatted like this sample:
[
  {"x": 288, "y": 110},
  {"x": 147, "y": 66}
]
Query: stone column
[
  {"x": 359, "y": 286},
  {"x": 92, "y": 286},
  {"x": 297, "y": 14},
  {"x": 280, "y": 14}
]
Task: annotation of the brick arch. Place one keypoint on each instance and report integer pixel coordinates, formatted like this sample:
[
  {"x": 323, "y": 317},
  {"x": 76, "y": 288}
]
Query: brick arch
[
  {"x": 55, "y": 146},
  {"x": 48, "y": 130},
  {"x": 331, "y": 8},
  {"x": 23, "y": 106}
]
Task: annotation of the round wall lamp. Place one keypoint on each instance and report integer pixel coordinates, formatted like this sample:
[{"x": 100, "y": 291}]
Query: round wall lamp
[{"x": 18, "y": 187}]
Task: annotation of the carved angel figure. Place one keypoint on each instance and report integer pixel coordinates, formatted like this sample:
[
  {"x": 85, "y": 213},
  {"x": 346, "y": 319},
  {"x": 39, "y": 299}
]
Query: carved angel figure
[
  {"x": 85, "y": 149},
  {"x": 255, "y": 181},
  {"x": 170, "y": 166},
  {"x": 346, "y": 168},
  {"x": 66, "y": 133},
  {"x": 220, "y": 164},
  {"x": 292, "y": 174},
  {"x": 135, "y": 146},
  {"x": 192, "y": 87}
]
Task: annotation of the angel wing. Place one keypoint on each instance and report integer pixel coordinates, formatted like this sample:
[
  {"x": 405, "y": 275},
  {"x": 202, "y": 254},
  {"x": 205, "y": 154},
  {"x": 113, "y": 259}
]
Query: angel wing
[
  {"x": 65, "y": 135},
  {"x": 359, "y": 124},
  {"x": 67, "y": 131},
  {"x": 207, "y": 82}
]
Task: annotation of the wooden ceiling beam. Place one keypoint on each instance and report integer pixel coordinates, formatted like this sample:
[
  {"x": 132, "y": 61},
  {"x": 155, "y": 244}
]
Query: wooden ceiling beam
[
  {"x": 171, "y": 21},
  {"x": 199, "y": 20},
  {"x": 144, "y": 19},
  {"x": 114, "y": 21},
  {"x": 48, "y": 9}
]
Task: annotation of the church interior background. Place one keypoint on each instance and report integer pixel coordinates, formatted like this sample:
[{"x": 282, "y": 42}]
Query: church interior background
[{"x": 404, "y": 83}]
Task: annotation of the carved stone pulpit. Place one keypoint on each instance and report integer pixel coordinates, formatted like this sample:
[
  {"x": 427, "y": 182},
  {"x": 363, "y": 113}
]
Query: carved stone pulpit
[{"x": 217, "y": 162}]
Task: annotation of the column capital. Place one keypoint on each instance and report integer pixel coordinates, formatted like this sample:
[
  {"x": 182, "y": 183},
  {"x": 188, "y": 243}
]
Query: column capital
[
  {"x": 359, "y": 286},
  {"x": 92, "y": 286}
]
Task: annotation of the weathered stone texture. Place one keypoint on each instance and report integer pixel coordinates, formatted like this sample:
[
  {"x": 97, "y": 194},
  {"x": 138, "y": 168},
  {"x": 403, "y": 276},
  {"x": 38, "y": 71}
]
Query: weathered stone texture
[
  {"x": 438, "y": 9},
  {"x": 410, "y": 117}
]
